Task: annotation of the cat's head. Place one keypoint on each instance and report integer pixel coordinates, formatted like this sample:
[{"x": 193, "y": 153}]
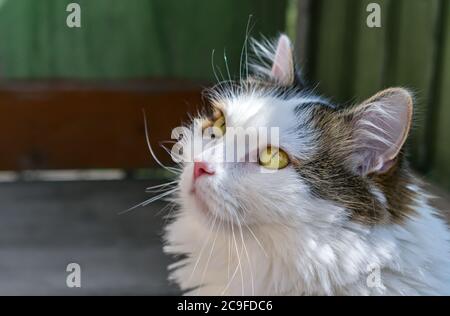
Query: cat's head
[{"x": 325, "y": 165}]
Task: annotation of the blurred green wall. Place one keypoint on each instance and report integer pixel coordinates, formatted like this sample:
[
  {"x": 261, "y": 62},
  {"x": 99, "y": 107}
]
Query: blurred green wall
[
  {"x": 350, "y": 61},
  {"x": 129, "y": 38}
]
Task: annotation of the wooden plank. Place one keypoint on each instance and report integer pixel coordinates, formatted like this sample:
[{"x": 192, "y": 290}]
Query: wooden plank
[
  {"x": 441, "y": 121},
  {"x": 129, "y": 39},
  {"x": 45, "y": 225},
  {"x": 411, "y": 57},
  {"x": 83, "y": 125}
]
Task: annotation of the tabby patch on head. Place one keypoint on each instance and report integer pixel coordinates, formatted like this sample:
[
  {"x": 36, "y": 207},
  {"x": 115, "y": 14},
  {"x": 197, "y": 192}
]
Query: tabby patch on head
[{"x": 359, "y": 163}]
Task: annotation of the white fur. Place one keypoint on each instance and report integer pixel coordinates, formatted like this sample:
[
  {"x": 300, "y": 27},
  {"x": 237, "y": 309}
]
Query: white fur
[
  {"x": 311, "y": 258},
  {"x": 250, "y": 233}
]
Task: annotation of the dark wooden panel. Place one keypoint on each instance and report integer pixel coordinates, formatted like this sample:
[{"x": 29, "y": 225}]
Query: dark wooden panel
[{"x": 71, "y": 125}]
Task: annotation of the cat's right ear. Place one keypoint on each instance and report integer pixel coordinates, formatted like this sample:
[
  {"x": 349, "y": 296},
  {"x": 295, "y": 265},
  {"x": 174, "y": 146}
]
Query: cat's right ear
[
  {"x": 380, "y": 127},
  {"x": 283, "y": 62}
]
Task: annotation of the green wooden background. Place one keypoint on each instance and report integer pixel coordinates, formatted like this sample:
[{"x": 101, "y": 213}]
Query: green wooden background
[
  {"x": 351, "y": 61},
  {"x": 128, "y": 38}
]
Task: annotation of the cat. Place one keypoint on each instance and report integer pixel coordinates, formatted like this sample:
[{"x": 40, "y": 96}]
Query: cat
[{"x": 338, "y": 211}]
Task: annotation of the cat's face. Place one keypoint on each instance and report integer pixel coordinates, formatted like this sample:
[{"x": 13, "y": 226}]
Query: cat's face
[{"x": 309, "y": 159}]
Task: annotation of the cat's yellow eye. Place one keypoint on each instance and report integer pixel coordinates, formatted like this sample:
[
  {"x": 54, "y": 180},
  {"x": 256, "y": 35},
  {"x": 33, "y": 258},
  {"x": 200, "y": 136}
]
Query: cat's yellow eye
[
  {"x": 219, "y": 126},
  {"x": 215, "y": 126},
  {"x": 273, "y": 158}
]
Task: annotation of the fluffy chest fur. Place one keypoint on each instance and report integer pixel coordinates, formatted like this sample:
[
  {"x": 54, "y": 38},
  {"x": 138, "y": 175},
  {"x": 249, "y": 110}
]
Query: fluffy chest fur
[{"x": 350, "y": 259}]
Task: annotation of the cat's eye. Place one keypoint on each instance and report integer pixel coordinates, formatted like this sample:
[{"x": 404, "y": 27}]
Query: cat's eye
[
  {"x": 273, "y": 158},
  {"x": 215, "y": 126}
]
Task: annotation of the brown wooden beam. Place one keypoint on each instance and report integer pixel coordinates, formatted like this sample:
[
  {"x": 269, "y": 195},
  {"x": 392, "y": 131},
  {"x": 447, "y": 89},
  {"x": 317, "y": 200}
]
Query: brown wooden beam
[{"x": 66, "y": 125}]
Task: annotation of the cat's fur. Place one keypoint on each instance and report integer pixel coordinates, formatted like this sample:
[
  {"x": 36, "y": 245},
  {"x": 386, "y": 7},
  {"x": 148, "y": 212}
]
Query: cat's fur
[{"x": 346, "y": 217}]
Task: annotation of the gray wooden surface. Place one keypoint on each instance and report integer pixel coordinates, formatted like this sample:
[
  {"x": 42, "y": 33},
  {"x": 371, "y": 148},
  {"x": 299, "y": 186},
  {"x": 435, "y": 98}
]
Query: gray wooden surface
[{"x": 46, "y": 225}]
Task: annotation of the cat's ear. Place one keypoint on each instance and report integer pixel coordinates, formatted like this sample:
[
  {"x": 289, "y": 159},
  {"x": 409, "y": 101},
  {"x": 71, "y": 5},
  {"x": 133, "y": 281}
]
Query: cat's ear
[
  {"x": 283, "y": 62},
  {"x": 380, "y": 127}
]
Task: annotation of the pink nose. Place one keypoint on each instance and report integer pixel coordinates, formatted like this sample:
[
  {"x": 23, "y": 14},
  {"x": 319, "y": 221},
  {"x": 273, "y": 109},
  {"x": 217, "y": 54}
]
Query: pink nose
[{"x": 202, "y": 168}]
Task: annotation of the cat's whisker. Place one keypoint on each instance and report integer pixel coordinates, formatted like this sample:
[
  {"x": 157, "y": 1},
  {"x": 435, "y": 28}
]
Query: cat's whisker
[
  {"x": 168, "y": 216},
  {"x": 171, "y": 205},
  {"x": 213, "y": 66},
  {"x": 160, "y": 186},
  {"x": 167, "y": 150},
  {"x": 147, "y": 138},
  {"x": 161, "y": 190},
  {"x": 147, "y": 202},
  {"x": 230, "y": 281},
  {"x": 239, "y": 259},
  {"x": 256, "y": 239},
  {"x": 221, "y": 76},
  {"x": 211, "y": 251},
  {"x": 178, "y": 159},
  {"x": 244, "y": 50},
  {"x": 246, "y": 253},
  {"x": 202, "y": 249},
  {"x": 226, "y": 65},
  {"x": 237, "y": 266},
  {"x": 229, "y": 252}
]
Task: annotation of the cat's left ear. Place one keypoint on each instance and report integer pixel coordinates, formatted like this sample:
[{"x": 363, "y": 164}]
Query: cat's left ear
[
  {"x": 283, "y": 62},
  {"x": 380, "y": 127}
]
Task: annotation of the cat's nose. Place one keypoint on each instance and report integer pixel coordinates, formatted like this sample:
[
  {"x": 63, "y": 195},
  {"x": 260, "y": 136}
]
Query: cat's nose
[{"x": 202, "y": 168}]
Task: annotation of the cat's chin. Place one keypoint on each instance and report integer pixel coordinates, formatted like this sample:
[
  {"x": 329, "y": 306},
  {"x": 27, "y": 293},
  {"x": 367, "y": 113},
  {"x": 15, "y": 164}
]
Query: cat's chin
[
  {"x": 201, "y": 208},
  {"x": 200, "y": 205}
]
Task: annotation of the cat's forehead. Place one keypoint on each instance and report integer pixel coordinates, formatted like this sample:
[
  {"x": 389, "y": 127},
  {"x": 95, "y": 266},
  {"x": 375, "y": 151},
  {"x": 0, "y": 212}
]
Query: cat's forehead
[
  {"x": 260, "y": 111},
  {"x": 291, "y": 116}
]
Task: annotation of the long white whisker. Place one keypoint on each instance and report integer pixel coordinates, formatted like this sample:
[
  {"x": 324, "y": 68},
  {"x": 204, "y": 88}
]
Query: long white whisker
[
  {"x": 246, "y": 253},
  {"x": 244, "y": 50},
  {"x": 169, "y": 213},
  {"x": 147, "y": 202},
  {"x": 239, "y": 260},
  {"x": 167, "y": 150},
  {"x": 163, "y": 185},
  {"x": 237, "y": 266},
  {"x": 214, "y": 67},
  {"x": 226, "y": 64},
  {"x": 229, "y": 252},
  {"x": 257, "y": 240},
  {"x": 202, "y": 248},
  {"x": 147, "y": 138},
  {"x": 211, "y": 252},
  {"x": 164, "y": 208}
]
